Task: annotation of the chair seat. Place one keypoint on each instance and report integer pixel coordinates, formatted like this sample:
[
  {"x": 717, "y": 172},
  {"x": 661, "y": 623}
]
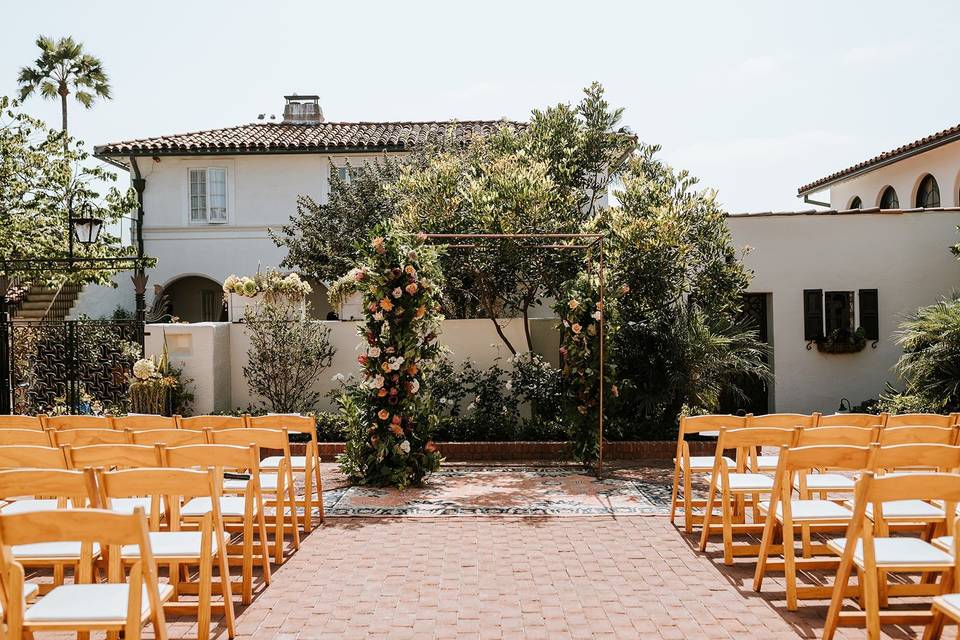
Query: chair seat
[
  {"x": 801, "y": 510},
  {"x": 944, "y": 543},
  {"x": 30, "y": 593},
  {"x": 127, "y": 505},
  {"x": 950, "y": 603},
  {"x": 768, "y": 463},
  {"x": 29, "y": 504},
  {"x": 905, "y": 509},
  {"x": 230, "y": 506},
  {"x": 173, "y": 544},
  {"x": 897, "y": 552},
  {"x": 50, "y": 551},
  {"x": 705, "y": 463},
  {"x": 297, "y": 463},
  {"x": 268, "y": 482},
  {"x": 827, "y": 482},
  {"x": 89, "y": 603},
  {"x": 747, "y": 481}
]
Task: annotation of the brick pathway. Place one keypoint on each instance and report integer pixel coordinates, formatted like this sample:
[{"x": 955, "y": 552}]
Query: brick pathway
[{"x": 510, "y": 577}]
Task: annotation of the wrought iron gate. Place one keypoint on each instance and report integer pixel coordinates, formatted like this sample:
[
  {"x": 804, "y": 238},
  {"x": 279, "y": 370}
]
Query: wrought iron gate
[{"x": 74, "y": 366}]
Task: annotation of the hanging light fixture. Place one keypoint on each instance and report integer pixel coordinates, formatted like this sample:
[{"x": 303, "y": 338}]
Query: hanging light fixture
[{"x": 87, "y": 228}]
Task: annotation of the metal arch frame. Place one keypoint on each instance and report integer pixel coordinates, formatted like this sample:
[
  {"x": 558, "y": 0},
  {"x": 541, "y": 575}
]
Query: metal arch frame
[{"x": 582, "y": 242}]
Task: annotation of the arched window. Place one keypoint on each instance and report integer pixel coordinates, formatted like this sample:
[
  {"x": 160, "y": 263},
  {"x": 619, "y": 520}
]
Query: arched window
[
  {"x": 928, "y": 194},
  {"x": 856, "y": 203},
  {"x": 889, "y": 199}
]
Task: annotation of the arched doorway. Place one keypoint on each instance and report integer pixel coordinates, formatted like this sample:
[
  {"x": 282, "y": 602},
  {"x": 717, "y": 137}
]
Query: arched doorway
[{"x": 195, "y": 299}]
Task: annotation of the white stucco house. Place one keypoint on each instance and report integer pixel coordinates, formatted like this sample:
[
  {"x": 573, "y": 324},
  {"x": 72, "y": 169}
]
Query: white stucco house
[
  {"x": 210, "y": 197},
  {"x": 879, "y": 252},
  {"x": 876, "y": 250}
]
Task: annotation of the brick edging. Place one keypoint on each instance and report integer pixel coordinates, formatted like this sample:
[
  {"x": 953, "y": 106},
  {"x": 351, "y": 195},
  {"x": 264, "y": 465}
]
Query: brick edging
[{"x": 548, "y": 451}]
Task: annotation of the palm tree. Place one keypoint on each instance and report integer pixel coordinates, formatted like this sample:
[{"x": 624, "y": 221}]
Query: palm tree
[{"x": 63, "y": 66}]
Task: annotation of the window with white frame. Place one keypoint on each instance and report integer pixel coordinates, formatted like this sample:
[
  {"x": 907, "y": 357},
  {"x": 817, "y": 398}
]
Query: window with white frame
[
  {"x": 343, "y": 172},
  {"x": 208, "y": 195}
]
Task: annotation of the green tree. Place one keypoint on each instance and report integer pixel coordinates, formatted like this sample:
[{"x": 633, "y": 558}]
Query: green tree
[
  {"x": 43, "y": 173},
  {"x": 63, "y": 68}
]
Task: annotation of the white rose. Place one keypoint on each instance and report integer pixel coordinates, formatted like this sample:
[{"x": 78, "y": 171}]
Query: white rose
[
  {"x": 374, "y": 352},
  {"x": 397, "y": 292},
  {"x": 414, "y": 386},
  {"x": 405, "y": 446},
  {"x": 377, "y": 382},
  {"x": 338, "y": 378},
  {"x": 378, "y": 316}
]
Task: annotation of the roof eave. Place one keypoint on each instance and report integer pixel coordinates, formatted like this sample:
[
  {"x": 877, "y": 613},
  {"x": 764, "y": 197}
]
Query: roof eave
[
  {"x": 103, "y": 153},
  {"x": 815, "y": 187}
]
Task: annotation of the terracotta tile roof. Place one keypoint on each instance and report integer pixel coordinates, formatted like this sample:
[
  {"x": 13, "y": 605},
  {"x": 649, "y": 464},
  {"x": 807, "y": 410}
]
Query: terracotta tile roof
[
  {"x": 840, "y": 212},
  {"x": 933, "y": 140},
  {"x": 278, "y": 137}
]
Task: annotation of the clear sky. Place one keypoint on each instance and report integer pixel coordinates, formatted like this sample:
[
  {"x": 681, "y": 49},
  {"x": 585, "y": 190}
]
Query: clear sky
[{"x": 755, "y": 97}]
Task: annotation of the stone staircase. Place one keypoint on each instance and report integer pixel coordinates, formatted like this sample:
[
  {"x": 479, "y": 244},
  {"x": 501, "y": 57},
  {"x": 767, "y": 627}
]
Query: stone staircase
[{"x": 47, "y": 303}]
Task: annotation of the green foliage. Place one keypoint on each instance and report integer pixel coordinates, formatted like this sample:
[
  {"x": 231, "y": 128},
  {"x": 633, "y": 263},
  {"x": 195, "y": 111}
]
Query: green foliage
[
  {"x": 390, "y": 426},
  {"x": 40, "y": 178},
  {"x": 63, "y": 68},
  {"x": 930, "y": 364},
  {"x": 287, "y": 354}
]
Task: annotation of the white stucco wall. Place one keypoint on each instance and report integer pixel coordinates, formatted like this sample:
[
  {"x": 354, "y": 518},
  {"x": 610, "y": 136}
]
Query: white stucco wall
[
  {"x": 904, "y": 176},
  {"x": 904, "y": 256}
]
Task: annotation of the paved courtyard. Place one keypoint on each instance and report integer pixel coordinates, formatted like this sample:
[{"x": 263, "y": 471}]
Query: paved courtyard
[{"x": 506, "y": 576}]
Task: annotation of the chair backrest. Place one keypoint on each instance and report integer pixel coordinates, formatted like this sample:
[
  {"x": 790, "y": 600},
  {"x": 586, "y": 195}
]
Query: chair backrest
[
  {"x": 21, "y": 422},
  {"x": 145, "y": 422},
  {"x": 176, "y": 486},
  {"x": 219, "y": 456},
  {"x": 213, "y": 422},
  {"x": 84, "y": 437},
  {"x": 292, "y": 423},
  {"x": 30, "y": 457},
  {"x": 918, "y": 435},
  {"x": 855, "y": 436},
  {"x": 755, "y": 437},
  {"x": 262, "y": 438},
  {"x": 52, "y": 483},
  {"x": 851, "y": 420},
  {"x": 944, "y": 458},
  {"x": 919, "y": 419},
  {"x": 839, "y": 457},
  {"x": 783, "y": 420},
  {"x": 24, "y": 436},
  {"x": 715, "y": 422},
  {"x": 112, "y": 455},
  {"x": 169, "y": 437},
  {"x": 78, "y": 422}
]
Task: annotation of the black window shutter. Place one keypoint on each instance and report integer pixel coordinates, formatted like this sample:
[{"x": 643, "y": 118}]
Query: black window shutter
[
  {"x": 870, "y": 314},
  {"x": 812, "y": 314}
]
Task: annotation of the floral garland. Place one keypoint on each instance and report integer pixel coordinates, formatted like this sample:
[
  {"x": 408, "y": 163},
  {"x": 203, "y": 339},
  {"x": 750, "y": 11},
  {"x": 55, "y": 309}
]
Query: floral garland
[
  {"x": 580, "y": 313},
  {"x": 269, "y": 283},
  {"x": 399, "y": 282}
]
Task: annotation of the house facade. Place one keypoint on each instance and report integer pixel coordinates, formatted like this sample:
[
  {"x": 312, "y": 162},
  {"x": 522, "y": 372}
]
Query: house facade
[
  {"x": 853, "y": 271},
  {"x": 211, "y": 197}
]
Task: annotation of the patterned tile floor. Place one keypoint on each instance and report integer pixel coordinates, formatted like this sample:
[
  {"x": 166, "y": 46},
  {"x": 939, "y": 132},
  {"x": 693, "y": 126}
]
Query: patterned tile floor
[{"x": 510, "y": 576}]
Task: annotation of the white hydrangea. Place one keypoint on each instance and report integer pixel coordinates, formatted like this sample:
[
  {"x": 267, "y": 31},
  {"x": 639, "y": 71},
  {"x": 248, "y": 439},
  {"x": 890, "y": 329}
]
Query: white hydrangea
[{"x": 144, "y": 369}]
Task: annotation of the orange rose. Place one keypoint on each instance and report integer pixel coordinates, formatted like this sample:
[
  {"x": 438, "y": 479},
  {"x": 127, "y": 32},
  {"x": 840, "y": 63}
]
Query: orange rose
[
  {"x": 383, "y": 414},
  {"x": 411, "y": 288},
  {"x": 412, "y": 370},
  {"x": 382, "y": 392},
  {"x": 430, "y": 447},
  {"x": 386, "y": 367},
  {"x": 397, "y": 430}
]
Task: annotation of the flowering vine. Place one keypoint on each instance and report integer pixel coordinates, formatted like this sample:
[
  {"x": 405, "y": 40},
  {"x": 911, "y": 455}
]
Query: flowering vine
[{"x": 398, "y": 280}]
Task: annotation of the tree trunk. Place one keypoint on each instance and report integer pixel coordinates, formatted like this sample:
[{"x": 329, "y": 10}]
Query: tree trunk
[
  {"x": 526, "y": 325},
  {"x": 63, "y": 114},
  {"x": 503, "y": 336}
]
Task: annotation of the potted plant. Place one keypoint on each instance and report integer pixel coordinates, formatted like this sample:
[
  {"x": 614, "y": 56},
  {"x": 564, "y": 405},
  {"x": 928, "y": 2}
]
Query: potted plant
[
  {"x": 843, "y": 340},
  {"x": 268, "y": 286}
]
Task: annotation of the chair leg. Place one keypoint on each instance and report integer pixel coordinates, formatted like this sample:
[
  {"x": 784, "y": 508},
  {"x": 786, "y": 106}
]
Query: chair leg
[
  {"x": 836, "y": 599},
  {"x": 935, "y": 627},
  {"x": 246, "y": 596},
  {"x": 279, "y": 524},
  {"x": 294, "y": 520},
  {"x": 264, "y": 546},
  {"x": 871, "y": 591},
  {"x": 226, "y": 591},
  {"x": 727, "y": 527},
  {"x": 790, "y": 567},
  {"x": 308, "y": 493},
  {"x": 707, "y": 514},
  {"x": 765, "y": 542},
  {"x": 316, "y": 471},
  {"x": 676, "y": 490},
  {"x": 203, "y": 600},
  {"x": 688, "y": 502}
]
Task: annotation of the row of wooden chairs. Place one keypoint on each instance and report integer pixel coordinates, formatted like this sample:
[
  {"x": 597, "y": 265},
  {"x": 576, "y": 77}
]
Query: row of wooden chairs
[
  {"x": 908, "y": 484},
  {"x": 687, "y": 465},
  {"x": 148, "y": 480},
  {"x": 93, "y": 427}
]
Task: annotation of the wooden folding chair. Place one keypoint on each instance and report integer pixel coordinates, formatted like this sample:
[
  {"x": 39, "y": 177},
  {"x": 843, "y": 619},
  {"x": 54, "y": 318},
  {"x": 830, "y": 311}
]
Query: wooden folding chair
[
  {"x": 169, "y": 437},
  {"x": 277, "y": 487},
  {"x": 213, "y": 422},
  {"x": 784, "y": 513},
  {"x": 685, "y": 465},
  {"x": 852, "y": 420},
  {"x": 308, "y": 465},
  {"x": 30, "y": 437},
  {"x": 85, "y": 437},
  {"x": 945, "y": 607},
  {"x": 60, "y": 488},
  {"x": 34, "y": 423},
  {"x": 872, "y": 555},
  {"x": 918, "y": 434},
  {"x": 245, "y": 512},
  {"x": 145, "y": 422},
  {"x": 820, "y": 479},
  {"x": 203, "y": 548},
  {"x": 738, "y": 485},
  {"x": 116, "y": 606},
  {"x": 920, "y": 419},
  {"x": 768, "y": 462},
  {"x": 30, "y": 457},
  {"x": 78, "y": 422}
]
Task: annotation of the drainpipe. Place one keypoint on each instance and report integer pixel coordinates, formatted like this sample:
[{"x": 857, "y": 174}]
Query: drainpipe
[
  {"x": 807, "y": 199},
  {"x": 139, "y": 277}
]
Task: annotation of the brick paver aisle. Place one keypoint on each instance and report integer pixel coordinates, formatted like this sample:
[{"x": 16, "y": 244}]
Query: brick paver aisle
[{"x": 456, "y": 577}]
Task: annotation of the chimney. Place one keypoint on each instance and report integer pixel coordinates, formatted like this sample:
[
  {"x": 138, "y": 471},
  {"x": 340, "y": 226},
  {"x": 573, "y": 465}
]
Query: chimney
[{"x": 302, "y": 109}]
